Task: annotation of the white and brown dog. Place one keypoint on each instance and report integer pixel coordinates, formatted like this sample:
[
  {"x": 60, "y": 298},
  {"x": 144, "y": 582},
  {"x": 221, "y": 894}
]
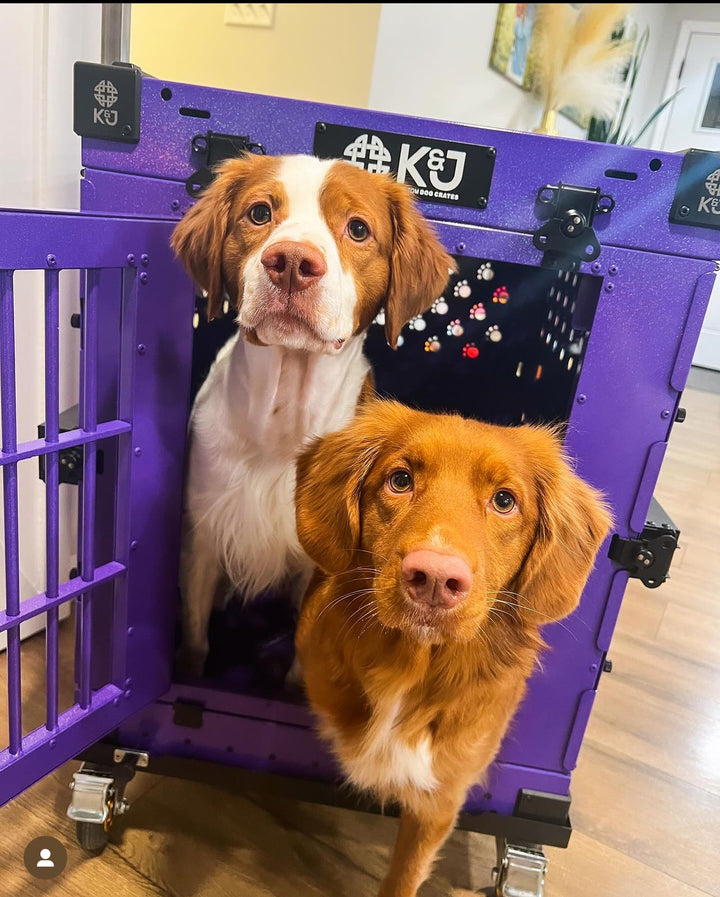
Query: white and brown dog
[{"x": 308, "y": 251}]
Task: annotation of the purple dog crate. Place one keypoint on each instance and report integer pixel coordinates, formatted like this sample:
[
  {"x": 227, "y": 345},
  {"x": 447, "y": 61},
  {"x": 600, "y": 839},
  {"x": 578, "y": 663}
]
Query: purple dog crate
[{"x": 584, "y": 274}]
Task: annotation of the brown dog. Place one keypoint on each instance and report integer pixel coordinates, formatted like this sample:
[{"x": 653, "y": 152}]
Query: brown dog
[{"x": 443, "y": 545}]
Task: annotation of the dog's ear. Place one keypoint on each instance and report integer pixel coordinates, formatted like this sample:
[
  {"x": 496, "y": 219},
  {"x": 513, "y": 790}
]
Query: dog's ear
[
  {"x": 419, "y": 265},
  {"x": 199, "y": 238},
  {"x": 573, "y": 523},
  {"x": 330, "y": 475}
]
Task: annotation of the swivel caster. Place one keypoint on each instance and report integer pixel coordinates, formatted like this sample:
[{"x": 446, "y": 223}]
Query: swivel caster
[{"x": 520, "y": 870}]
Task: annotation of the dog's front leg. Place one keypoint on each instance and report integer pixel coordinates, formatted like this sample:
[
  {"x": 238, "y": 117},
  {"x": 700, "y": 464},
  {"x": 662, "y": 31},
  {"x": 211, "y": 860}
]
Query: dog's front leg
[
  {"x": 422, "y": 833},
  {"x": 200, "y": 575}
]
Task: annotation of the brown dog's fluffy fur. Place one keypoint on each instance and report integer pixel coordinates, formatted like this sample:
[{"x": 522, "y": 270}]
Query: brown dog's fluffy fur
[{"x": 415, "y": 700}]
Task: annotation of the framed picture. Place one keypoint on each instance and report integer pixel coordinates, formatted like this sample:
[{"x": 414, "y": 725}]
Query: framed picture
[{"x": 512, "y": 49}]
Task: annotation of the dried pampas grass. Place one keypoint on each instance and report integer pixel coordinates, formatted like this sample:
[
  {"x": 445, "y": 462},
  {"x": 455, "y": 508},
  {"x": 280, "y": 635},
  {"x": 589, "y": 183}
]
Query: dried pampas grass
[{"x": 577, "y": 63}]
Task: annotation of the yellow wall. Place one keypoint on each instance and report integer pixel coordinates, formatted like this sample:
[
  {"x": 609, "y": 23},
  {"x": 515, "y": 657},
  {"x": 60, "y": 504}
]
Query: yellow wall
[{"x": 314, "y": 51}]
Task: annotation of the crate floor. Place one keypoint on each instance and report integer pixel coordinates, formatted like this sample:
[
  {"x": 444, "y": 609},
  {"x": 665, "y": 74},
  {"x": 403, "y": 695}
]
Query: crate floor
[{"x": 646, "y": 793}]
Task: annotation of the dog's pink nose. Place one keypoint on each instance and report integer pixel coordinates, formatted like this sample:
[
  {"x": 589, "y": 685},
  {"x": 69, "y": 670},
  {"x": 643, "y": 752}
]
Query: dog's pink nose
[
  {"x": 440, "y": 580},
  {"x": 293, "y": 266}
]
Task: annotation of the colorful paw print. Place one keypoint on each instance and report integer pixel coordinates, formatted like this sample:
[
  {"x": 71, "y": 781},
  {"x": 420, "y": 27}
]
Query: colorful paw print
[
  {"x": 470, "y": 350},
  {"x": 380, "y": 318},
  {"x": 462, "y": 290},
  {"x": 493, "y": 334},
  {"x": 440, "y": 306},
  {"x": 485, "y": 271},
  {"x": 432, "y": 344},
  {"x": 501, "y": 295},
  {"x": 477, "y": 312},
  {"x": 455, "y": 328},
  {"x": 417, "y": 323}
]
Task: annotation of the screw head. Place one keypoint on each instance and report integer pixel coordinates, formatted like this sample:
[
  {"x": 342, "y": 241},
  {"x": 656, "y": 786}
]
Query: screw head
[
  {"x": 684, "y": 211},
  {"x": 665, "y": 414},
  {"x": 141, "y": 349},
  {"x": 175, "y": 205},
  {"x": 596, "y": 266},
  {"x": 144, "y": 259},
  {"x": 133, "y": 545},
  {"x": 491, "y": 152},
  {"x": 581, "y": 399},
  {"x": 137, "y": 451},
  {"x": 460, "y": 247},
  {"x": 126, "y": 130},
  {"x": 144, "y": 277},
  {"x": 482, "y": 202},
  {"x": 613, "y": 269},
  {"x": 131, "y": 258},
  {"x": 609, "y": 287},
  {"x": 51, "y": 260},
  {"x": 321, "y": 126}
]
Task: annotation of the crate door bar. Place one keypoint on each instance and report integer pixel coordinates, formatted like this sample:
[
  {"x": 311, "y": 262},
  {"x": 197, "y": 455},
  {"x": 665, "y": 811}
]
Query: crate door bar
[
  {"x": 10, "y": 486},
  {"x": 88, "y": 423},
  {"x": 52, "y": 494}
]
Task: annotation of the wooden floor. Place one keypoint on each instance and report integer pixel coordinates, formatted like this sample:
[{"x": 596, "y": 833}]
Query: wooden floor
[{"x": 646, "y": 793}]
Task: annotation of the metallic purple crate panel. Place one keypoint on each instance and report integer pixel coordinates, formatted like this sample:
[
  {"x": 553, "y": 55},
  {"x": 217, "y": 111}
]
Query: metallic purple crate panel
[
  {"x": 125, "y": 264},
  {"x": 524, "y": 162}
]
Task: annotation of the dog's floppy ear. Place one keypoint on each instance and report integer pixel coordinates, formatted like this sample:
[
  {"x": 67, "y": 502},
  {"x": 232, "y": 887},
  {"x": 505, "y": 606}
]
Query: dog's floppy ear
[
  {"x": 198, "y": 239},
  {"x": 330, "y": 476},
  {"x": 573, "y": 523},
  {"x": 419, "y": 266}
]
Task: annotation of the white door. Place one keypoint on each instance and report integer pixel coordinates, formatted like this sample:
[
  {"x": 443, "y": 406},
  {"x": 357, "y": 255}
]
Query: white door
[{"x": 694, "y": 122}]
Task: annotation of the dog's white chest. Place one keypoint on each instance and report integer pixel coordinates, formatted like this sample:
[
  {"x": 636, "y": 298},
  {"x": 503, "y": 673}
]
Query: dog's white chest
[{"x": 384, "y": 761}]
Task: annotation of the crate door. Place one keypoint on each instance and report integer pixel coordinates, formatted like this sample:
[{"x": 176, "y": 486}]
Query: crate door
[{"x": 93, "y": 441}]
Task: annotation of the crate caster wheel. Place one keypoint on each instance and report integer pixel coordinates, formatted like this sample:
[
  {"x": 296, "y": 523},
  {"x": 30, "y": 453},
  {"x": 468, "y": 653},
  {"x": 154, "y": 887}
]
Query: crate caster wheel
[
  {"x": 92, "y": 837},
  {"x": 520, "y": 870},
  {"x": 97, "y": 798}
]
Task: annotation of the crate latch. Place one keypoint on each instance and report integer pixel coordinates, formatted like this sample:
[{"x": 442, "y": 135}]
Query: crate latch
[
  {"x": 648, "y": 557},
  {"x": 210, "y": 148},
  {"x": 566, "y": 237}
]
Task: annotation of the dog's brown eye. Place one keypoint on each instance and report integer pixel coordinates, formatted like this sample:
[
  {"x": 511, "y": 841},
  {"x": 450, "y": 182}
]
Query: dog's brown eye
[
  {"x": 358, "y": 230},
  {"x": 260, "y": 213},
  {"x": 400, "y": 481},
  {"x": 503, "y": 501}
]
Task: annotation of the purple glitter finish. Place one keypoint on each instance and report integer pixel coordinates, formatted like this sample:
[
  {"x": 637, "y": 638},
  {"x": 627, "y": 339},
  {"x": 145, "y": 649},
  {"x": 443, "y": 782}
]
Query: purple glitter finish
[{"x": 148, "y": 491}]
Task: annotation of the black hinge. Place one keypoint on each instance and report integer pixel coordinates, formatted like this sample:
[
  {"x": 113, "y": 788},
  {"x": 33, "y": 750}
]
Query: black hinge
[
  {"x": 567, "y": 238},
  {"x": 648, "y": 557},
  {"x": 212, "y": 148}
]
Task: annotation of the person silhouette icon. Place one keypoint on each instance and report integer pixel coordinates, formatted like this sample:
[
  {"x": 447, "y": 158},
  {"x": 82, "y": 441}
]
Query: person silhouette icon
[{"x": 45, "y": 861}]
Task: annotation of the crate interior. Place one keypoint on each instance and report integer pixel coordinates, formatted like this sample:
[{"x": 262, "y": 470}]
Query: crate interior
[{"x": 505, "y": 343}]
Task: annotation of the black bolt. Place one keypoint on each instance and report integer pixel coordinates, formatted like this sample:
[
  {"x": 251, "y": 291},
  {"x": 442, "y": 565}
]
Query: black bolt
[
  {"x": 684, "y": 211},
  {"x": 482, "y": 202},
  {"x": 491, "y": 151},
  {"x": 76, "y": 321},
  {"x": 607, "y": 666},
  {"x": 126, "y": 130},
  {"x": 680, "y": 415},
  {"x": 321, "y": 126}
]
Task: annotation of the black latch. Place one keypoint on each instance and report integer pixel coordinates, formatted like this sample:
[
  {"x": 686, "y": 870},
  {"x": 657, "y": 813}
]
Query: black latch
[
  {"x": 106, "y": 101},
  {"x": 70, "y": 459},
  {"x": 567, "y": 238},
  {"x": 648, "y": 557},
  {"x": 212, "y": 148}
]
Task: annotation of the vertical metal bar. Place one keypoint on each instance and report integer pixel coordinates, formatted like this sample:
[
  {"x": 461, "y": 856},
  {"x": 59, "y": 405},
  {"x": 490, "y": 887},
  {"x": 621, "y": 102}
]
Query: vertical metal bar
[
  {"x": 115, "y": 33},
  {"x": 88, "y": 422},
  {"x": 128, "y": 354},
  {"x": 10, "y": 486},
  {"x": 52, "y": 487}
]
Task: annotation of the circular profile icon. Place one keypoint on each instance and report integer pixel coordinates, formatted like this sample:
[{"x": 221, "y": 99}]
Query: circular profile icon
[{"x": 45, "y": 857}]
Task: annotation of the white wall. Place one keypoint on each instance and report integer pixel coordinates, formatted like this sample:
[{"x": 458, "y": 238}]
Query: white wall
[{"x": 40, "y": 168}]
